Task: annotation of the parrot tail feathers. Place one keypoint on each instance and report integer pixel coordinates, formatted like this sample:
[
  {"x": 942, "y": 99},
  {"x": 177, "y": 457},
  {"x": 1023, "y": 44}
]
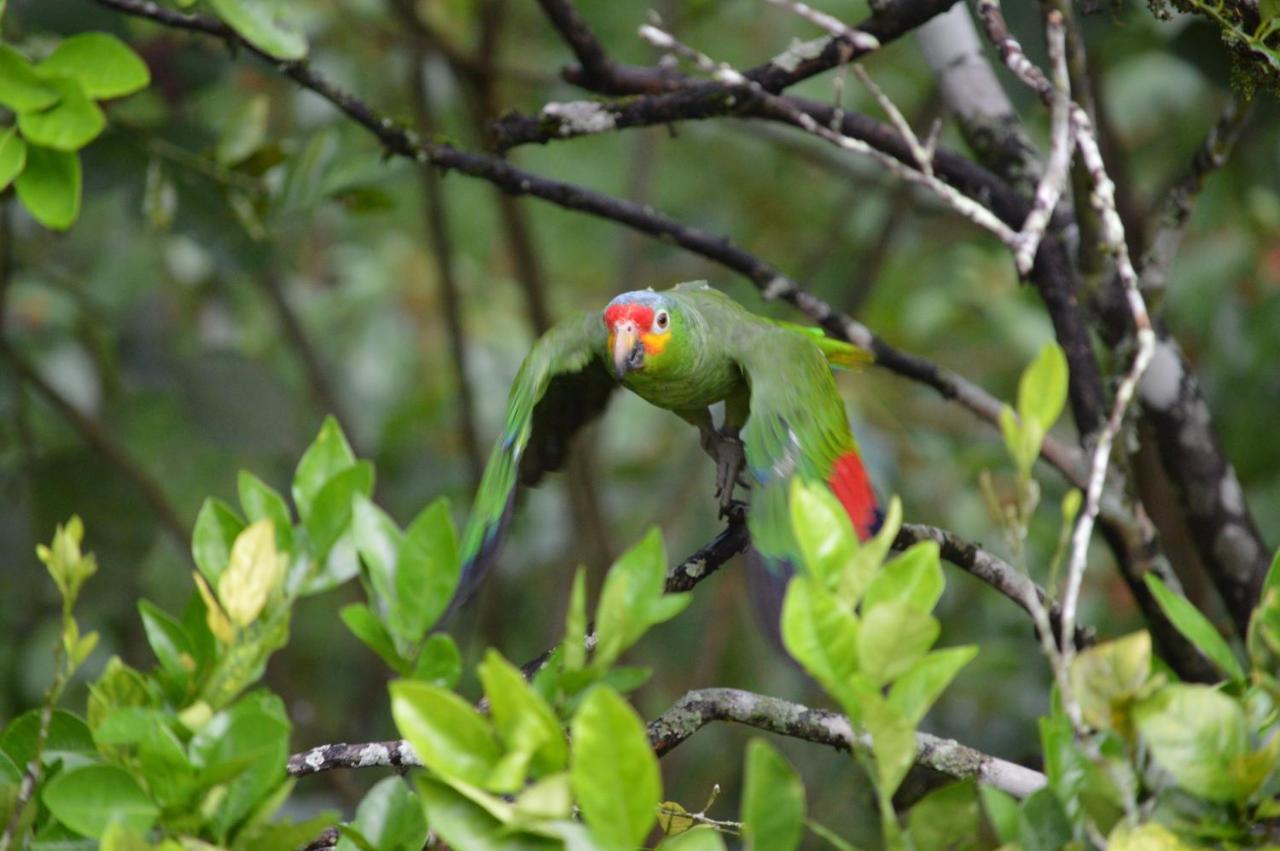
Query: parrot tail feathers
[
  {"x": 851, "y": 486},
  {"x": 767, "y": 580}
]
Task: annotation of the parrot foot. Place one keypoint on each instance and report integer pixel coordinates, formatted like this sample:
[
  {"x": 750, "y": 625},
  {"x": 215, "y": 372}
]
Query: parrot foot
[{"x": 730, "y": 461}]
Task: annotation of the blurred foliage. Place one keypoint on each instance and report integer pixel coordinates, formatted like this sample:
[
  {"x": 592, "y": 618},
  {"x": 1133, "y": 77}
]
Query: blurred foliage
[{"x": 221, "y": 208}]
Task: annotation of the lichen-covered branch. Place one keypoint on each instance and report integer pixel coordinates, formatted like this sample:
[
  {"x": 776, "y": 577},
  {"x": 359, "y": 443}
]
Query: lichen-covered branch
[{"x": 698, "y": 708}]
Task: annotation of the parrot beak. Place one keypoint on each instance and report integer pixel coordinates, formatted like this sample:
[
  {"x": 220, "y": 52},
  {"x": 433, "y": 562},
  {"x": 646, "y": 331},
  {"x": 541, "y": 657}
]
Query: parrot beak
[{"x": 628, "y": 349}]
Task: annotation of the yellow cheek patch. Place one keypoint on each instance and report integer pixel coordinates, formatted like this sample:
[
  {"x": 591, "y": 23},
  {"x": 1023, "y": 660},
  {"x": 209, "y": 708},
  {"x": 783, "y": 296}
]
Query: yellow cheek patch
[{"x": 655, "y": 343}]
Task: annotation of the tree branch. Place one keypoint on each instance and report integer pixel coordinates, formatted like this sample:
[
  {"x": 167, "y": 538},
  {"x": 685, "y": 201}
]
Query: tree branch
[{"x": 701, "y": 707}]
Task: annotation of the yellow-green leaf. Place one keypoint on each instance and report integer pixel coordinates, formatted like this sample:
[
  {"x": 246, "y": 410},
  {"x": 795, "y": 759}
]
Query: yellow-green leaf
[
  {"x": 254, "y": 571},
  {"x": 102, "y": 64},
  {"x": 70, "y": 124},
  {"x": 13, "y": 156},
  {"x": 49, "y": 186}
]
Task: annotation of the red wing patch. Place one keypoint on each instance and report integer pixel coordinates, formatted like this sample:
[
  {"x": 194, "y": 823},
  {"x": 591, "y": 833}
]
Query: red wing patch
[{"x": 851, "y": 486}]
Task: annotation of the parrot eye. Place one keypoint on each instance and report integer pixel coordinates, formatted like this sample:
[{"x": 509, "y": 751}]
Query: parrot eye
[{"x": 662, "y": 320}]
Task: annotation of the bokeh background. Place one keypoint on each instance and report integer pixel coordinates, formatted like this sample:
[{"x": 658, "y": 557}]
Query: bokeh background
[{"x": 246, "y": 261}]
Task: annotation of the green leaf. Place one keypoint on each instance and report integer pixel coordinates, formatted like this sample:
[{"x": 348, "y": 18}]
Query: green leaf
[
  {"x": 465, "y": 824},
  {"x": 244, "y": 131},
  {"x": 822, "y": 530},
  {"x": 244, "y": 748},
  {"x": 913, "y": 578},
  {"x": 1002, "y": 812},
  {"x": 438, "y": 661},
  {"x": 330, "y": 513},
  {"x": 1200, "y": 736},
  {"x": 575, "y": 627},
  {"x": 1042, "y": 389},
  {"x": 68, "y": 739},
  {"x": 13, "y": 156},
  {"x": 67, "y": 566},
  {"x": 1022, "y": 439},
  {"x": 89, "y": 798},
  {"x": 378, "y": 540},
  {"x": 1042, "y": 824},
  {"x": 427, "y": 570},
  {"x": 702, "y": 838},
  {"x": 946, "y": 819},
  {"x": 632, "y": 599},
  {"x": 168, "y": 640},
  {"x": 614, "y": 771},
  {"x": 49, "y": 187},
  {"x": 773, "y": 804},
  {"x": 893, "y": 739},
  {"x": 1109, "y": 677},
  {"x": 525, "y": 723},
  {"x": 1151, "y": 836},
  {"x": 452, "y": 738},
  {"x": 820, "y": 634},
  {"x": 255, "y": 572},
  {"x": 1195, "y": 627},
  {"x": 103, "y": 65},
  {"x": 256, "y": 23},
  {"x": 893, "y": 637},
  {"x": 390, "y": 818},
  {"x": 364, "y": 625},
  {"x": 328, "y": 455},
  {"x": 70, "y": 124},
  {"x": 217, "y": 526},
  {"x": 259, "y": 500},
  {"x": 920, "y": 685},
  {"x": 21, "y": 89}
]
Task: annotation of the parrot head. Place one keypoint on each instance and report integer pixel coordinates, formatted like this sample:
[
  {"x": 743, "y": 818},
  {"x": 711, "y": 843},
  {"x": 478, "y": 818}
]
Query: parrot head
[{"x": 640, "y": 324}]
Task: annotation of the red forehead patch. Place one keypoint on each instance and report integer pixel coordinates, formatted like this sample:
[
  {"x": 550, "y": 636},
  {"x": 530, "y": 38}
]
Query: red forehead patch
[{"x": 640, "y": 314}]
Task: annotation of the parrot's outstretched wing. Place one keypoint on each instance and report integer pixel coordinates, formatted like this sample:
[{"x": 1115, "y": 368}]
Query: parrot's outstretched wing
[
  {"x": 797, "y": 428},
  {"x": 838, "y": 352},
  {"x": 562, "y": 384}
]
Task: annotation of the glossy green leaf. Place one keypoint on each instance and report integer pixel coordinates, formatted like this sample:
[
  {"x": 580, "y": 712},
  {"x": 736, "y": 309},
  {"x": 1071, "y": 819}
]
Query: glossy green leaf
[
  {"x": 390, "y": 818},
  {"x": 438, "y": 661},
  {"x": 330, "y": 513},
  {"x": 820, "y": 633},
  {"x": 378, "y": 540},
  {"x": 1200, "y": 736},
  {"x": 103, "y": 65},
  {"x": 1042, "y": 388},
  {"x": 822, "y": 530},
  {"x": 526, "y": 724},
  {"x": 366, "y": 626},
  {"x": 427, "y": 570},
  {"x": 614, "y": 771},
  {"x": 21, "y": 89},
  {"x": 914, "y": 578},
  {"x": 88, "y": 798},
  {"x": 168, "y": 640},
  {"x": 1195, "y": 627},
  {"x": 892, "y": 638},
  {"x": 632, "y": 599},
  {"x": 328, "y": 455},
  {"x": 920, "y": 685},
  {"x": 245, "y": 748},
  {"x": 773, "y": 803},
  {"x": 217, "y": 526},
  {"x": 452, "y": 738},
  {"x": 70, "y": 124},
  {"x": 13, "y": 156},
  {"x": 255, "y": 21},
  {"x": 259, "y": 500},
  {"x": 464, "y": 824},
  {"x": 68, "y": 739},
  {"x": 49, "y": 186}
]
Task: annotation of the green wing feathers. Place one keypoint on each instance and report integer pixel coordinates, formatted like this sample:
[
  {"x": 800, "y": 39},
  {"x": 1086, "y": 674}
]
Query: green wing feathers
[
  {"x": 797, "y": 427},
  {"x": 561, "y": 385},
  {"x": 837, "y": 352}
]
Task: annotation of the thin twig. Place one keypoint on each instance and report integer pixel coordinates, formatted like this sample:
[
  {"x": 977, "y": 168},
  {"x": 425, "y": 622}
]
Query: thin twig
[{"x": 1054, "y": 180}]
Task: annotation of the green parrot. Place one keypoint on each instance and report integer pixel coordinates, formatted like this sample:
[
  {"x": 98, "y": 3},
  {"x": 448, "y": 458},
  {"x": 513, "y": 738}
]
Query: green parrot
[{"x": 684, "y": 349}]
